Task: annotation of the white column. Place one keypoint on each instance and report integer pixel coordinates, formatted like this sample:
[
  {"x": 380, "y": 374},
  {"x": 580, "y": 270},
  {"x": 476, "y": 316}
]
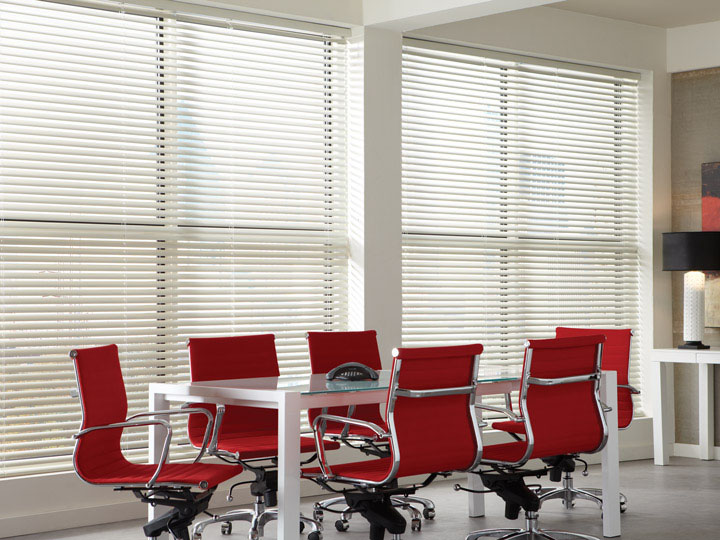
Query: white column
[
  {"x": 156, "y": 440},
  {"x": 289, "y": 466},
  {"x": 706, "y": 408},
  {"x": 610, "y": 458},
  {"x": 375, "y": 180},
  {"x": 663, "y": 381}
]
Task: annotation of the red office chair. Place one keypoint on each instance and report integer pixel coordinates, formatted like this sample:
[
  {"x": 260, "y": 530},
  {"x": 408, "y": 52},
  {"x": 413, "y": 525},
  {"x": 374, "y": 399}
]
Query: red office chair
[
  {"x": 98, "y": 457},
  {"x": 616, "y": 357},
  {"x": 245, "y": 435},
  {"x": 431, "y": 427},
  {"x": 327, "y": 351},
  {"x": 562, "y": 416}
]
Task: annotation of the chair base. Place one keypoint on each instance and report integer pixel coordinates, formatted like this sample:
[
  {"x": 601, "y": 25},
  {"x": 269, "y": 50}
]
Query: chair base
[
  {"x": 568, "y": 494},
  {"x": 404, "y": 502},
  {"x": 258, "y": 518},
  {"x": 185, "y": 505},
  {"x": 530, "y": 532}
]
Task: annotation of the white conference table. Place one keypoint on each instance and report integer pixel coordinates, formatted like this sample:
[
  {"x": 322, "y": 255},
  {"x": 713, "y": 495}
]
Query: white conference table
[{"x": 290, "y": 395}]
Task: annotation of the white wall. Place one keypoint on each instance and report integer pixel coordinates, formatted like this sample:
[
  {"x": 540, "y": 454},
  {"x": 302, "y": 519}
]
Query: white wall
[{"x": 696, "y": 46}]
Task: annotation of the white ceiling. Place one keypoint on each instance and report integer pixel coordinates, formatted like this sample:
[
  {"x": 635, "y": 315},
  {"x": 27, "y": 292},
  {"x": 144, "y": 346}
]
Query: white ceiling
[{"x": 662, "y": 13}]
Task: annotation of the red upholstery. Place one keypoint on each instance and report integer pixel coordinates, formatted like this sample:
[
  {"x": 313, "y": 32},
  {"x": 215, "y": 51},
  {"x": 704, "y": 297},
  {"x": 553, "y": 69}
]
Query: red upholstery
[
  {"x": 250, "y": 431},
  {"x": 616, "y": 356},
  {"x": 434, "y": 434},
  {"x": 98, "y": 456},
  {"x": 331, "y": 349},
  {"x": 564, "y": 418}
]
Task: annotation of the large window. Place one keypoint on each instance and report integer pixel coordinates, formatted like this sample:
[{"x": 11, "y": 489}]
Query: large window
[
  {"x": 161, "y": 176},
  {"x": 520, "y": 199}
]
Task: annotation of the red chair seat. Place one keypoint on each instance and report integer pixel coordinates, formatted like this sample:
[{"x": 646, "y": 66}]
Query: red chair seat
[
  {"x": 507, "y": 452},
  {"x": 125, "y": 473},
  {"x": 374, "y": 470},
  {"x": 508, "y": 426},
  {"x": 250, "y": 446}
]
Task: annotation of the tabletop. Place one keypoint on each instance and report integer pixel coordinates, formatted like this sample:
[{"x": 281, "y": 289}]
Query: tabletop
[{"x": 313, "y": 384}]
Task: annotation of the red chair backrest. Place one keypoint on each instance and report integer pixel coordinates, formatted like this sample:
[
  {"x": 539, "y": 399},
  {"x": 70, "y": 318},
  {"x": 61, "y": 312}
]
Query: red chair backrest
[
  {"x": 438, "y": 433},
  {"x": 563, "y": 418},
  {"x": 236, "y": 357},
  {"x": 616, "y": 357},
  {"x": 104, "y": 401},
  {"x": 331, "y": 349}
]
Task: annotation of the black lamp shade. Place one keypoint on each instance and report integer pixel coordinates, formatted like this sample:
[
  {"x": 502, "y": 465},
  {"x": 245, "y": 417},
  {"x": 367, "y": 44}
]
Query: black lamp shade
[{"x": 687, "y": 251}]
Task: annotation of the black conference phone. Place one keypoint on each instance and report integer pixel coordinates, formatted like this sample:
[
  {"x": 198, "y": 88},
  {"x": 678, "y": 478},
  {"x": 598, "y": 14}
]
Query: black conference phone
[{"x": 352, "y": 371}]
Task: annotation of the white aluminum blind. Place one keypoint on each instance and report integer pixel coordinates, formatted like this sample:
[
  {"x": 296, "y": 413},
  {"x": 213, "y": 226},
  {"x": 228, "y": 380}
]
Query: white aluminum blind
[
  {"x": 161, "y": 177},
  {"x": 520, "y": 200}
]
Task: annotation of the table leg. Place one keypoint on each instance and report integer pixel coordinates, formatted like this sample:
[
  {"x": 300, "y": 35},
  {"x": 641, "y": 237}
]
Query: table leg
[
  {"x": 289, "y": 467},
  {"x": 706, "y": 425},
  {"x": 610, "y": 458},
  {"x": 476, "y": 501},
  {"x": 156, "y": 439},
  {"x": 663, "y": 378}
]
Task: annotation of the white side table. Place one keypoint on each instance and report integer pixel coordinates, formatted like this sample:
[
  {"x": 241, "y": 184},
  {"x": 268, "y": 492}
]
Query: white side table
[{"x": 664, "y": 409}]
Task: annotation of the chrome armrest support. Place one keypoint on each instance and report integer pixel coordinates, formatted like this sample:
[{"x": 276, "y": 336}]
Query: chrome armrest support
[
  {"x": 346, "y": 427},
  {"x": 351, "y": 421},
  {"x": 320, "y": 442},
  {"x": 186, "y": 410},
  {"x": 507, "y": 412},
  {"x": 130, "y": 423},
  {"x": 434, "y": 392},
  {"x": 606, "y": 408},
  {"x": 220, "y": 412},
  {"x": 630, "y": 387},
  {"x": 563, "y": 380}
]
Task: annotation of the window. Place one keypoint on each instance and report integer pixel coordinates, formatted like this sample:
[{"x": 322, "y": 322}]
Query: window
[
  {"x": 520, "y": 199},
  {"x": 161, "y": 176}
]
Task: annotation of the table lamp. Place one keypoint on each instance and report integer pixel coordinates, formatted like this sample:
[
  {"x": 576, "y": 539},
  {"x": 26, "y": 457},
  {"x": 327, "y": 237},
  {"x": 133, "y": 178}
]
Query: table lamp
[{"x": 692, "y": 253}]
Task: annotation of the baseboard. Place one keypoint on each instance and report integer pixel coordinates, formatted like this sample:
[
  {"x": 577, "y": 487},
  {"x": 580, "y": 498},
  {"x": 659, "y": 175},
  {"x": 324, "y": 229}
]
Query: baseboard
[{"x": 692, "y": 451}]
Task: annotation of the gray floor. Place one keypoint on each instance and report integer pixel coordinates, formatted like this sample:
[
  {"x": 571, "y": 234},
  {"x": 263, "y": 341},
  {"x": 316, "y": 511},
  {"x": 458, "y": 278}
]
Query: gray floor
[{"x": 665, "y": 503}]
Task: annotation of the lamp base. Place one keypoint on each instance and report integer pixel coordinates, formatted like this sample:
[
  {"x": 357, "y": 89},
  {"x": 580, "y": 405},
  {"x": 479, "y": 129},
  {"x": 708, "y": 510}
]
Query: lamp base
[{"x": 693, "y": 345}]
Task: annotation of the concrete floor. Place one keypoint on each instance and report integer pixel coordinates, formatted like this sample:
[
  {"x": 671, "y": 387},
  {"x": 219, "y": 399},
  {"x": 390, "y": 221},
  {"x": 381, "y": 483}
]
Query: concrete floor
[{"x": 665, "y": 503}]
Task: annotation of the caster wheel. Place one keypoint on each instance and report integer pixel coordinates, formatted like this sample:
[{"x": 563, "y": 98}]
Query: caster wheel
[
  {"x": 318, "y": 515},
  {"x": 623, "y": 508},
  {"x": 429, "y": 513},
  {"x": 302, "y": 526},
  {"x": 342, "y": 525},
  {"x": 197, "y": 536},
  {"x": 315, "y": 535},
  {"x": 416, "y": 525},
  {"x": 226, "y": 528},
  {"x": 253, "y": 535}
]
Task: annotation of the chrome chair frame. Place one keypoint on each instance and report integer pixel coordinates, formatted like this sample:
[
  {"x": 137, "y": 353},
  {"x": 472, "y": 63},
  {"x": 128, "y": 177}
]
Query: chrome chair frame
[
  {"x": 395, "y": 392},
  {"x": 567, "y": 492},
  {"x": 176, "y": 495},
  {"x": 404, "y": 502},
  {"x": 531, "y": 530}
]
